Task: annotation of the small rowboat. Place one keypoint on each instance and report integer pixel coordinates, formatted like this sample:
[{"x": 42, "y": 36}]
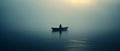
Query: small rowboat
[{"x": 60, "y": 29}]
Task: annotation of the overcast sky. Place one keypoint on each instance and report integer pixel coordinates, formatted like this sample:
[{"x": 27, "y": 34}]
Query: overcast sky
[{"x": 77, "y": 14}]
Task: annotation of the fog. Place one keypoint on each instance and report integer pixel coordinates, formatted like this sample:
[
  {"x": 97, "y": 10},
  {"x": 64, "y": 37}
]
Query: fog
[{"x": 44, "y": 14}]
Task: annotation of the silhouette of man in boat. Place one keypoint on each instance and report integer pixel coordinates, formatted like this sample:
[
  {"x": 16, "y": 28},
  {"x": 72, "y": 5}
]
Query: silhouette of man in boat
[{"x": 60, "y": 28}]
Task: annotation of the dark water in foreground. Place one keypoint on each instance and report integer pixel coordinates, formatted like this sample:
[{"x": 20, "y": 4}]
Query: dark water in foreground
[{"x": 53, "y": 41}]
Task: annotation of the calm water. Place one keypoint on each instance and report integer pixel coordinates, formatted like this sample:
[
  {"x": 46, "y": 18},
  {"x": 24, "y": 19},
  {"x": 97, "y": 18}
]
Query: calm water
[{"x": 54, "y": 41}]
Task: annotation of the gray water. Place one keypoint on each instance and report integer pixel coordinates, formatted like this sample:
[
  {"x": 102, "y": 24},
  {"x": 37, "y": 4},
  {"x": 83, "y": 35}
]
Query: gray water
[{"x": 54, "y": 41}]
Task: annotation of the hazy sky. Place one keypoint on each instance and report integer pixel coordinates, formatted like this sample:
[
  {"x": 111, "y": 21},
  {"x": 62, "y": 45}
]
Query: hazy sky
[{"x": 77, "y": 14}]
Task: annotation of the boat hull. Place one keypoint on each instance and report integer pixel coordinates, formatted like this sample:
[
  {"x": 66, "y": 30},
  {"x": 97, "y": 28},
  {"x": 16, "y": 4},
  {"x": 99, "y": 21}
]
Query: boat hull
[{"x": 60, "y": 29}]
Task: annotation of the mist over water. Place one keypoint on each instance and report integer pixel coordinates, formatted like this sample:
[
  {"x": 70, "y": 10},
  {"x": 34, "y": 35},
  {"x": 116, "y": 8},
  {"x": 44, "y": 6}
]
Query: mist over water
[{"x": 26, "y": 25}]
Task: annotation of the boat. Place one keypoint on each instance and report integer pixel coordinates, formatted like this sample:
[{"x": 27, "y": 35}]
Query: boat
[{"x": 60, "y": 29}]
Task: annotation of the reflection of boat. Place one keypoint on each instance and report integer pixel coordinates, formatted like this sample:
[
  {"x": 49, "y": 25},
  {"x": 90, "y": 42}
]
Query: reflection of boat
[{"x": 60, "y": 29}]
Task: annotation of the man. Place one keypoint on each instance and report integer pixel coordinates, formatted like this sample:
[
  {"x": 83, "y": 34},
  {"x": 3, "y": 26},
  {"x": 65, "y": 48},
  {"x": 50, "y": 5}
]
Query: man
[{"x": 60, "y": 26}]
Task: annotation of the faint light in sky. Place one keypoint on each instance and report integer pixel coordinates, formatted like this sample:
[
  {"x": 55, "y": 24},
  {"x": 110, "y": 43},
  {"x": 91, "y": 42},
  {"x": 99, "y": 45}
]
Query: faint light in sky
[{"x": 82, "y": 2}]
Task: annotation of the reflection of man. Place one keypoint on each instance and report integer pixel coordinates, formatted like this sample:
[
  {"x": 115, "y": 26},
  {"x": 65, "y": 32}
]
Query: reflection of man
[{"x": 60, "y": 26}]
